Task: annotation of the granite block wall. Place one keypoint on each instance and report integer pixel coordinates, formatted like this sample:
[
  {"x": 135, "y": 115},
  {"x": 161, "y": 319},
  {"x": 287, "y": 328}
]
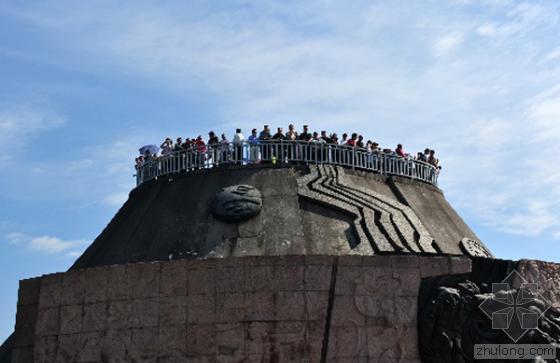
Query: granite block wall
[{"x": 252, "y": 309}]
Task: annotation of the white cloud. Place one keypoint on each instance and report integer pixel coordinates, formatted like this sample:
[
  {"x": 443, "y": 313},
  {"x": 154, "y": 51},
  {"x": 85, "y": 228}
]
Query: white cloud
[
  {"x": 448, "y": 43},
  {"x": 116, "y": 199},
  {"x": 50, "y": 244},
  {"x": 544, "y": 112},
  {"x": 19, "y": 125},
  {"x": 521, "y": 18},
  {"x": 16, "y": 238},
  {"x": 487, "y": 29},
  {"x": 45, "y": 244},
  {"x": 531, "y": 219},
  {"x": 552, "y": 55}
]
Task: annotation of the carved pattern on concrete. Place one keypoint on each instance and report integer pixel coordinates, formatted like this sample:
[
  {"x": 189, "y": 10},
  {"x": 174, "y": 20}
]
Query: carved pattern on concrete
[
  {"x": 474, "y": 248},
  {"x": 237, "y": 203},
  {"x": 382, "y": 224}
]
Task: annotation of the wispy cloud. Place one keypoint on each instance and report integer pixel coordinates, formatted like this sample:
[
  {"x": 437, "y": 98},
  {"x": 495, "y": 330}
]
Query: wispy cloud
[
  {"x": 521, "y": 18},
  {"x": 19, "y": 126},
  {"x": 116, "y": 199},
  {"x": 448, "y": 43},
  {"x": 46, "y": 244}
]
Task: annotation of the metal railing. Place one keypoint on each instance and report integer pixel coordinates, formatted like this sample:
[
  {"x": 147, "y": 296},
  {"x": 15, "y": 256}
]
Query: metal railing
[{"x": 284, "y": 152}]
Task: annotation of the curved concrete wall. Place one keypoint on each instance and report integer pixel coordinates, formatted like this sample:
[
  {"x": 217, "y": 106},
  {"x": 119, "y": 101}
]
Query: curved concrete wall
[{"x": 305, "y": 211}]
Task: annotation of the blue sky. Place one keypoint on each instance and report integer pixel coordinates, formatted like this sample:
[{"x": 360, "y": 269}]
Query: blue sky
[{"x": 84, "y": 85}]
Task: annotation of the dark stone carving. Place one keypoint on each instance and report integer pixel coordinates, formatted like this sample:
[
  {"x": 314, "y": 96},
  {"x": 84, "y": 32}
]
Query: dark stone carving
[
  {"x": 237, "y": 203},
  {"x": 382, "y": 224},
  {"x": 474, "y": 248},
  {"x": 451, "y": 321}
]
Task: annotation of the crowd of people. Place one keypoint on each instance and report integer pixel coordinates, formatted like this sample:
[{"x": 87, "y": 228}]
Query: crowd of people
[{"x": 221, "y": 148}]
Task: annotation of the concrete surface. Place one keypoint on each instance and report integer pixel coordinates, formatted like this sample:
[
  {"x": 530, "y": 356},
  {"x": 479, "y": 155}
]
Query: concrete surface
[
  {"x": 362, "y": 213},
  {"x": 261, "y": 309}
]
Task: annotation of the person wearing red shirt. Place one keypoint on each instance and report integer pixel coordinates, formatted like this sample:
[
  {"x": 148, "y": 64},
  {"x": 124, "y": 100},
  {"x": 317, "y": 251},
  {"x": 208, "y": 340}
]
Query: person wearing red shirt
[{"x": 400, "y": 151}]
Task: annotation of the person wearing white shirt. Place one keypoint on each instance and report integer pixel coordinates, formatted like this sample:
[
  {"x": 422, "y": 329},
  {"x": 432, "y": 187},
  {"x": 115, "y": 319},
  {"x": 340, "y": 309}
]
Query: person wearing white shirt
[{"x": 238, "y": 140}]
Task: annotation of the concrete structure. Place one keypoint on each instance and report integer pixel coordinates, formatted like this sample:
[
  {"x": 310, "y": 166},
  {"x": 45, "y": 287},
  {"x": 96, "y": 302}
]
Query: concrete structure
[
  {"x": 253, "y": 309},
  {"x": 254, "y": 263},
  {"x": 306, "y": 210}
]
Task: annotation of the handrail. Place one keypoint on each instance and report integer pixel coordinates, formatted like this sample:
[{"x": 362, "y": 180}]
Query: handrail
[{"x": 284, "y": 152}]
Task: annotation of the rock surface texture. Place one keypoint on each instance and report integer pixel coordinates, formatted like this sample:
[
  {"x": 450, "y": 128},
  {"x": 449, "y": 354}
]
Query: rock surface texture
[
  {"x": 305, "y": 210},
  {"x": 456, "y": 312},
  {"x": 254, "y": 309}
]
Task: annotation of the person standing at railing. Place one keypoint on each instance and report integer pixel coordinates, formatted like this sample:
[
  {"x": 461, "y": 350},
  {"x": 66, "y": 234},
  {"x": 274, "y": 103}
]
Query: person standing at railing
[
  {"x": 253, "y": 146},
  {"x": 423, "y": 156},
  {"x": 350, "y": 152},
  {"x": 167, "y": 147},
  {"x": 353, "y": 140},
  {"x": 291, "y": 135},
  {"x": 369, "y": 150},
  {"x": 334, "y": 150},
  {"x": 213, "y": 151},
  {"x": 200, "y": 148},
  {"x": 303, "y": 149},
  {"x": 325, "y": 148},
  {"x": 264, "y": 138},
  {"x": 238, "y": 140},
  {"x": 177, "y": 156},
  {"x": 305, "y": 135},
  {"x": 432, "y": 160},
  {"x": 178, "y": 145},
  {"x": 400, "y": 151},
  {"x": 139, "y": 162},
  {"x": 187, "y": 145},
  {"x": 318, "y": 145},
  {"x": 360, "y": 142},
  {"x": 224, "y": 148},
  {"x": 279, "y": 152}
]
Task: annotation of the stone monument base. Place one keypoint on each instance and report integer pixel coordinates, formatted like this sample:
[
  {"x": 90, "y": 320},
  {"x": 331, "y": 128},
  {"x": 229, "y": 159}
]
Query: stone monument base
[{"x": 261, "y": 309}]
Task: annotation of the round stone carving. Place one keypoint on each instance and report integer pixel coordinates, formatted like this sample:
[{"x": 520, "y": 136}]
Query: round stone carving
[
  {"x": 474, "y": 248},
  {"x": 237, "y": 203}
]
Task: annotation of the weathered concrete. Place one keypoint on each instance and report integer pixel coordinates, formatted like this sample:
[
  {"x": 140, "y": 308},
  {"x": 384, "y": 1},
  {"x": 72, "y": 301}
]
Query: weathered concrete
[
  {"x": 350, "y": 212},
  {"x": 261, "y": 309}
]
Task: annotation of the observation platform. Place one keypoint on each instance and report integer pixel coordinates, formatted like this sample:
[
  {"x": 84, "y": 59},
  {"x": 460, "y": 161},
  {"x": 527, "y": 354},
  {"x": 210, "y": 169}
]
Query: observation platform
[{"x": 286, "y": 152}]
